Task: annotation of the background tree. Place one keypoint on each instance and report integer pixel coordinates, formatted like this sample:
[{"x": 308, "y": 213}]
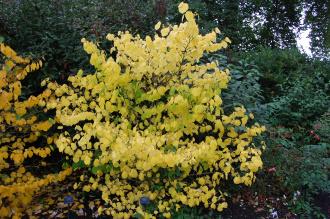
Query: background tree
[{"x": 318, "y": 21}]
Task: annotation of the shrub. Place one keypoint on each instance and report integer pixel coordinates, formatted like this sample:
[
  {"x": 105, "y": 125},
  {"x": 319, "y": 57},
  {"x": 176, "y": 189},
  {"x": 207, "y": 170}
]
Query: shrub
[
  {"x": 322, "y": 128},
  {"x": 295, "y": 89},
  {"x": 303, "y": 101},
  {"x": 301, "y": 166},
  {"x": 243, "y": 87},
  {"x": 300, "y": 160},
  {"x": 148, "y": 128},
  {"x": 280, "y": 66},
  {"x": 21, "y": 137}
]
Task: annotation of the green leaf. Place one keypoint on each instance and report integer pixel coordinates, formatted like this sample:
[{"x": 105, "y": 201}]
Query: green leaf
[
  {"x": 137, "y": 215},
  {"x": 157, "y": 187},
  {"x": 52, "y": 121},
  {"x": 138, "y": 93},
  {"x": 65, "y": 165},
  {"x": 205, "y": 165},
  {"x": 172, "y": 91},
  {"x": 108, "y": 168},
  {"x": 77, "y": 165},
  {"x": 96, "y": 169},
  {"x": 169, "y": 148}
]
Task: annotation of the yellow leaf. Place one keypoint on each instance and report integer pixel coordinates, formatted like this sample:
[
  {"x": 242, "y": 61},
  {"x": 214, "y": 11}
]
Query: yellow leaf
[
  {"x": 189, "y": 16},
  {"x": 222, "y": 206},
  {"x": 244, "y": 120},
  {"x": 183, "y": 7},
  {"x": 165, "y": 31},
  {"x": 33, "y": 66},
  {"x": 157, "y": 26},
  {"x": 237, "y": 180},
  {"x": 87, "y": 160},
  {"x": 87, "y": 188},
  {"x": 75, "y": 186},
  {"x": 227, "y": 40}
]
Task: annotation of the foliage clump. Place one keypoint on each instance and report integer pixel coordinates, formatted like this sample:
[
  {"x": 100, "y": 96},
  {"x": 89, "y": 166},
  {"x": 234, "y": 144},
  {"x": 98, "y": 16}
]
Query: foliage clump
[
  {"x": 21, "y": 136},
  {"x": 148, "y": 123}
]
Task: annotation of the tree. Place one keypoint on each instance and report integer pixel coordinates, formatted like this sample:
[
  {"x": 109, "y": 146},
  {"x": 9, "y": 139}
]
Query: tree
[{"x": 318, "y": 21}]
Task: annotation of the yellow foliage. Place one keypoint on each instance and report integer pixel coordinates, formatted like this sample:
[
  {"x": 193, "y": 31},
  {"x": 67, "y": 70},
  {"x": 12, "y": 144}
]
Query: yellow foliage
[
  {"x": 183, "y": 7},
  {"x": 149, "y": 122},
  {"x": 20, "y": 129}
]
